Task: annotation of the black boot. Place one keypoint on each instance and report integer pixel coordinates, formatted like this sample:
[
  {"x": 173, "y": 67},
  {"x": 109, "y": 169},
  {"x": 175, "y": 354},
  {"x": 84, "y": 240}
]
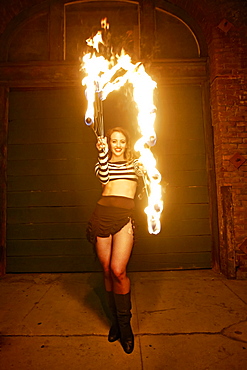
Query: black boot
[
  {"x": 123, "y": 305},
  {"x": 114, "y": 332}
]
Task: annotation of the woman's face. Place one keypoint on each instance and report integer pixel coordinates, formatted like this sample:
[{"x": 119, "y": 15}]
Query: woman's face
[{"x": 118, "y": 145}]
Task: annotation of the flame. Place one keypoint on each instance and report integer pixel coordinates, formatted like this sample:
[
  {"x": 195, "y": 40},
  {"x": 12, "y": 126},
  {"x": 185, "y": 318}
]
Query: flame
[
  {"x": 102, "y": 77},
  {"x": 105, "y": 24}
]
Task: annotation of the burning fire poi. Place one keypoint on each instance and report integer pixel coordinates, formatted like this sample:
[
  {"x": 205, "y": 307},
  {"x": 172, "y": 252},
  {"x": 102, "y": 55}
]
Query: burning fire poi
[{"x": 101, "y": 78}]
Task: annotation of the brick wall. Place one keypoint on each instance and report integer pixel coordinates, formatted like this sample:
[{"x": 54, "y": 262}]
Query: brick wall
[
  {"x": 225, "y": 29},
  {"x": 227, "y": 53},
  {"x": 10, "y": 8},
  {"x": 229, "y": 120}
]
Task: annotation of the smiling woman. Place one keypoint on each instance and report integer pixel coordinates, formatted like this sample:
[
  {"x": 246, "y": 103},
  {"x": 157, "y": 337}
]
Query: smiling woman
[
  {"x": 111, "y": 228},
  {"x": 118, "y": 145},
  {"x": 116, "y": 163}
]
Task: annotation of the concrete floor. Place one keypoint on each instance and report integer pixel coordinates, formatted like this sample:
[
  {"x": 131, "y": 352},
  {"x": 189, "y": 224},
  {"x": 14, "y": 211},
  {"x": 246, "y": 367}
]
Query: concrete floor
[{"x": 181, "y": 320}]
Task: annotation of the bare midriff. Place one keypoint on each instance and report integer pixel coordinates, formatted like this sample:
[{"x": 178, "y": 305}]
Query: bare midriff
[{"x": 121, "y": 188}]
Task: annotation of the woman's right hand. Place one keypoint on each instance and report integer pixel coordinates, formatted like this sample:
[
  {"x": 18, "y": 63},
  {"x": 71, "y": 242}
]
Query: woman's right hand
[{"x": 102, "y": 144}]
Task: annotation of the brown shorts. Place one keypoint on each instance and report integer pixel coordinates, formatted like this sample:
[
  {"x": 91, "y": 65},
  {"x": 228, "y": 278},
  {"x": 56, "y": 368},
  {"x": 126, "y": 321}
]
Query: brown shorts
[{"x": 111, "y": 214}]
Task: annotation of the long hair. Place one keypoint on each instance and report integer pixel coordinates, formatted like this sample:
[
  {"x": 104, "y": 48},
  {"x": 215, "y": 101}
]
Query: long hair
[{"x": 128, "y": 154}]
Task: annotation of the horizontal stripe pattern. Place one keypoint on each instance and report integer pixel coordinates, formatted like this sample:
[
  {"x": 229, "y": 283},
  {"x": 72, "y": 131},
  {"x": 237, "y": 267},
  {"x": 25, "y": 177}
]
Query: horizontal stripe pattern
[{"x": 109, "y": 171}]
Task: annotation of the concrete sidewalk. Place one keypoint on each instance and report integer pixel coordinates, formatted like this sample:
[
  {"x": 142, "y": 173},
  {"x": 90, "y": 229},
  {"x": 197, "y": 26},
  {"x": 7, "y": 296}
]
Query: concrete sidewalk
[{"x": 181, "y": 320}]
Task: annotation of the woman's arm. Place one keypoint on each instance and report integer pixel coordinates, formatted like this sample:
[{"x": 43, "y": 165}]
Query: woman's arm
[{"x": 101, "y": 167}]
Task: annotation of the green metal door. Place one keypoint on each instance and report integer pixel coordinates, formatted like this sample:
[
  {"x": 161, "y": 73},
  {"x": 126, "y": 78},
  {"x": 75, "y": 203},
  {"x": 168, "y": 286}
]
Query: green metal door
[
  {"x": 51, "y": 183},
  {"x": 52, "y": 189}
]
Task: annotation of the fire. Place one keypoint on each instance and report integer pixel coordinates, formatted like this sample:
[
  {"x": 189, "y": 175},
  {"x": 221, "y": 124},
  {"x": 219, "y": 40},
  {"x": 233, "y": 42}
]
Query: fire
[{"x": 102, "y": 76}]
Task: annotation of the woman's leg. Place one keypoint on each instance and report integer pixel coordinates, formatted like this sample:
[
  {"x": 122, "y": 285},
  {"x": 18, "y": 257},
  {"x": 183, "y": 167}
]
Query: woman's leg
[
  {"x": 104, "y": 250},
  {"x": 121, "y": 251}
]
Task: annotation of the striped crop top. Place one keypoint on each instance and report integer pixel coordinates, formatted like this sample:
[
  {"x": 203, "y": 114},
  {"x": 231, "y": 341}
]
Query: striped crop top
[{"x": 110, "y": 171}]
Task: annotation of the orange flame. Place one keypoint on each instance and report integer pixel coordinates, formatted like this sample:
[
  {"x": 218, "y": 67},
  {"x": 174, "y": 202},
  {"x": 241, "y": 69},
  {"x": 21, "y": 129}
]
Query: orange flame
[
  {"x": 100, "y": 79},
  {"x": 105, "y": 24}
]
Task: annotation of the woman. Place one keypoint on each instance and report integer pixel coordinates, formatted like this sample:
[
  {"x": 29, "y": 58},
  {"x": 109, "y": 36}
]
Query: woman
[{"x": 111, "y": 228}]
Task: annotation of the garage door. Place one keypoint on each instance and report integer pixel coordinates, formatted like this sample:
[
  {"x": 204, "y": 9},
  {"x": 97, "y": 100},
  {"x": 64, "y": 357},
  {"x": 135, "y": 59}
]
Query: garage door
[{"x": 52, "y": 189}]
